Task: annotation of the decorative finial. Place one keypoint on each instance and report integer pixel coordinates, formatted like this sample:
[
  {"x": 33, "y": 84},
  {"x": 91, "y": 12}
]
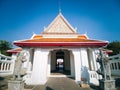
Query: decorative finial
[
  {"x": 59, "y": 6},
  {"x": 33, "y": 33}
]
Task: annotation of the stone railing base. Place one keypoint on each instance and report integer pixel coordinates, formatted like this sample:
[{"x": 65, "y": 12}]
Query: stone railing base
[
  {"x": 15, "y": 85},
  {"x": 107, "y": 85}
]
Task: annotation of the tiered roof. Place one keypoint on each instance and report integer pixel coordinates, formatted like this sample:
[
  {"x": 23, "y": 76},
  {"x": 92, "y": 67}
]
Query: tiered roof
[{"x": 60, "y": 33}]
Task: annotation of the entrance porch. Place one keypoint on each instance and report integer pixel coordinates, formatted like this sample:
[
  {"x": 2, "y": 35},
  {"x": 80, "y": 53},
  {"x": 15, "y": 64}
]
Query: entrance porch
[{"x": 60, "y": 62}]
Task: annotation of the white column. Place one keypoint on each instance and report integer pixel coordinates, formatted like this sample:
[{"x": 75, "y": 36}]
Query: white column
[
  {"x": 76, "y": 53},
  {"x": 49, "y": 64},
  {"x": 39, "y": 72},
  {"x": 96, "y": 65},
  {"x": 72, "y": 65},
  {"x": 84, "y": 57},
  {"x": 90, "y": 52},
  {"x": 31, "y": 53}
]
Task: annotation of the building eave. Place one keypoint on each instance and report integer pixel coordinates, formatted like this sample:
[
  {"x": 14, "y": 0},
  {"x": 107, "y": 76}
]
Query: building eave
[
  {"x": 16, "y": 50},
  {"x": 72, "y": 44}
]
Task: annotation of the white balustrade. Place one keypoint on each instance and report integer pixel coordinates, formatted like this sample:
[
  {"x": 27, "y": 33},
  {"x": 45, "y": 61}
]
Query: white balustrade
[
  {"x": 115, "y": 65},
  {"x": 6, "y": 65},
  {"x": 93, "y": 78}
]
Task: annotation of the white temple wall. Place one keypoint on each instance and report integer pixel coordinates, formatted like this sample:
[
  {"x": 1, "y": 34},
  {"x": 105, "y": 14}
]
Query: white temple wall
[
  {"x": 31, "y": 51},
  {"x": 77, "y": 61},
  {"x": 90, "y": 59},
  {"x": 96, "y": 65},
  {"x": 84, "y": 57},
  {"x": 92, "y": 56},
  {"x": 39, "y": 72}
]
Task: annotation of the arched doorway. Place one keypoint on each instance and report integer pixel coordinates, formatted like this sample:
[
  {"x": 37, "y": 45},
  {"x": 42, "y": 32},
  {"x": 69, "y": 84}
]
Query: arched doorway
[{"x": 60, "y": 62}]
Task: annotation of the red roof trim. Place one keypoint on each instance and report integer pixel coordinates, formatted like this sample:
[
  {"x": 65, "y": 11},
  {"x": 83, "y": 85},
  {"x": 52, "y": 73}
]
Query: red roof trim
[
  {"x": 13, "y": 52},
  {"x": 22, "y": 44},
  {"x": 17, "y": 50}
]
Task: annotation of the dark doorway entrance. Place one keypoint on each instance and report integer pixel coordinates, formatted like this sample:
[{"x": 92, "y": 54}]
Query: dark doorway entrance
[{"x": 60, "y": 61}]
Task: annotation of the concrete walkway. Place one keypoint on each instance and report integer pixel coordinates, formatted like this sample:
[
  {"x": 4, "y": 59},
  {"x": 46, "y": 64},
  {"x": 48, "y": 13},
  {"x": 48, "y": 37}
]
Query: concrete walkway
[
  {"x": 54, "y": 83},
  {"x": 59, "y": 83}
]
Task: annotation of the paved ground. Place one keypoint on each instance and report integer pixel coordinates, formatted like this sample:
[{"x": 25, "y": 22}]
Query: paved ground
[
  {"x": 54, "y": 83},
  {"x": 60, "y": 83},
  {"x": 3, "y": 83}
]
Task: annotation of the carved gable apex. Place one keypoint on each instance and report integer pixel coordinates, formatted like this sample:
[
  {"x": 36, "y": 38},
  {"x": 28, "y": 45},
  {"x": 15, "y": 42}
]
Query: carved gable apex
[{"x": 59, "y": 26}]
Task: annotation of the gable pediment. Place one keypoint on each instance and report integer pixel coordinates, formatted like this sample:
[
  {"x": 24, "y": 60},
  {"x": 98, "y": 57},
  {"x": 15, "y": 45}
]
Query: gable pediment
[{"x": 59, "y": 25}]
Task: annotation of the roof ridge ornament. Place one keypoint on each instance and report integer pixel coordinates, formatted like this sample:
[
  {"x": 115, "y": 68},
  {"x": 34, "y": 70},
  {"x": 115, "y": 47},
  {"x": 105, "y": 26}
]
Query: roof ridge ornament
[{"x": 59, "y": 6}]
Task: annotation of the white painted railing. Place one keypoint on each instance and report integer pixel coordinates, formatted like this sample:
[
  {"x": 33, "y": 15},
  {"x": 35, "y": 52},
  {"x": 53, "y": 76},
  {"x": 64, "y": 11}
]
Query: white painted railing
[
  {"x": 115, "y": 65},
  {"x": 6, "y": 65},
  {"x": 94, "y": 78}
]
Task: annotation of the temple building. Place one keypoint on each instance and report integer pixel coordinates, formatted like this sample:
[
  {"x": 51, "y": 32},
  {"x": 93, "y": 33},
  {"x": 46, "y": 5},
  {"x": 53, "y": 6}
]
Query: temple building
[{"x": 60, "y": 49}]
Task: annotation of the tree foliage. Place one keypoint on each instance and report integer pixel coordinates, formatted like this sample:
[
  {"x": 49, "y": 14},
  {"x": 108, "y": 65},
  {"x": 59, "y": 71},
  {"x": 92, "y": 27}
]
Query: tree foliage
[
  {"x": 115, "y": 47},
  {"x": 4, "y": 46}
]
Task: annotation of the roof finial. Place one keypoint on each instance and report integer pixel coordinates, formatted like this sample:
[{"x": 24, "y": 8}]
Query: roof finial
[{"x": 59, "y": 6}]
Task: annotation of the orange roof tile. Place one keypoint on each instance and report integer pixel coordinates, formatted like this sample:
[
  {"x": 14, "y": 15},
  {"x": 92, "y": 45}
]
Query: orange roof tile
[
  {"x": 37, "y": 36},
  {"x": 82, "y": 37},
  {"x": 60, "y": 42}
]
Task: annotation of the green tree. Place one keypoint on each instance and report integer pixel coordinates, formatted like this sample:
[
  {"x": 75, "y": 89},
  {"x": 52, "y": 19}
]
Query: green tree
[
  {"x": 4, "y": 46},
  {"x": 114, "y": 46}
]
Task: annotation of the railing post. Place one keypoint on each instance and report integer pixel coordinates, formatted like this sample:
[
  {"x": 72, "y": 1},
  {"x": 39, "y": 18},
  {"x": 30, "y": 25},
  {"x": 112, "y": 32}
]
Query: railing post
[{"x": 2, "y": 66}]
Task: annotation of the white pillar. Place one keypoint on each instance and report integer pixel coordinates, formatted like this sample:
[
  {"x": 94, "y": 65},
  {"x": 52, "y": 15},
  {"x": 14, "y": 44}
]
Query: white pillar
[
  {"x": 49, "y": 64},
  {"x": 39, "y": 72},
  {"x": 90, "y": 53},
  {"x": 84, "y": 57},
  {"x": 76, "y": 53},
  {"x": 30, "y": 63},
  {"x": 94, "y": 59},
  {"x": 72, "y": 65}
]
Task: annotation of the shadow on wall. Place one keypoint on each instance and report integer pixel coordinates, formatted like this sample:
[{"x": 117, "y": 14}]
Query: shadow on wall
[{"x": 85, "y": 77}]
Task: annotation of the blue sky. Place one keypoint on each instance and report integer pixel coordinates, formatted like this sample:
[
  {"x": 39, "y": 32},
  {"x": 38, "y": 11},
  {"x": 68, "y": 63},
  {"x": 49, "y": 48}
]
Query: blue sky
[{"x": 99, "y": 19}]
